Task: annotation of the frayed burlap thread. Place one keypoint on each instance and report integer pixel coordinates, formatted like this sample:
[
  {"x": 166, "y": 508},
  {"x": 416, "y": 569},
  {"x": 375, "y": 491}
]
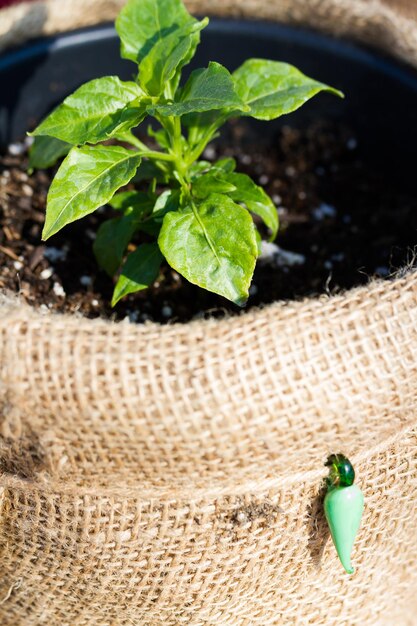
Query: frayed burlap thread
[{"x": 174, "y": 475}]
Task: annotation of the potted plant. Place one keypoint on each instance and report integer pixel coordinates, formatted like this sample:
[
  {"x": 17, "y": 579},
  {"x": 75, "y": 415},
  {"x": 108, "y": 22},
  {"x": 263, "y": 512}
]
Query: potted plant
[{"x": 172, "y": 474}]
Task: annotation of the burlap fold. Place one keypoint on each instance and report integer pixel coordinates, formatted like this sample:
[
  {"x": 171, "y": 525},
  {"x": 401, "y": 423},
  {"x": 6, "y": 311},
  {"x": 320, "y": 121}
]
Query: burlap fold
[{"x": 173, "y": 475}]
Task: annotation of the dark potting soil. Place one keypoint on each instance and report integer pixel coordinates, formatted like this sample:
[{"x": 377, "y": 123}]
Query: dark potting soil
[{"x": 340, "y": 224}]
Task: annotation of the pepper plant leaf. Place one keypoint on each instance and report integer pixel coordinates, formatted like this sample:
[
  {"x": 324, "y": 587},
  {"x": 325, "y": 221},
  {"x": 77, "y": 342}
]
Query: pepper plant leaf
[
  {"x": 198, "y": 168},
  {"x": 114, "y": 234},
  {"x": 220, "y": 178},
  {"x": 111, "y": 241},
  {"x": 168, "y": 56},
  {"x": 140, "y": 25},
  {"x": 198, "y": 214},
  {"x": 213, "y": 245},
  {"x": 169, "y": 200},
  {"x": 96, "y": 111},
  {"x": 227, "y": 164},
  {"x": 271, "y": 88},
  {"x": 188, "y": 56},
  {"x": 256, "y": 200},
  {"x": 138, "y": 201},
  {"x": 87, "y": 179},
  {"x": 211, "y": 182},
  {"x": 207, "y": 89},
  {"x": 140, "y": 270},
  {"x": 45, "y": 152}
]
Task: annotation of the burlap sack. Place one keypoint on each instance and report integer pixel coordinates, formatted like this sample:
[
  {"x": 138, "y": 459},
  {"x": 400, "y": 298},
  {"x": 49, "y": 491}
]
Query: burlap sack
[{"x": 172, "y": 475}]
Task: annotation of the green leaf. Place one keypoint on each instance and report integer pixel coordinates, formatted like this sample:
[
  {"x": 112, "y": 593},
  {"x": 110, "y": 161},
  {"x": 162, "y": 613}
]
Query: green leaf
[
  {"x": 168, "y": 56},
  {"x": 272, "y": 89},
  {"x": 150, "y": 227},
  {"x": 207, "y": 89},
  {"x": 259, "y": 242},
  {"x": 227, "y": 164},
  {"x": 139, "y": 272},
  {"x": 204, "y": 125},
  {"x": 197, "y": 168},
  {"x": 87, "y": 179},
  {"x": 128, "y": 201},
  {"x": 96, "y": 111},
  {"x": 211, "y": 182},
  {"x": 188, "y": 56},
  {"x": 142, "y": 23},
  {"x": 220, "y": 167},
  {"x": 168, "y": 201},
  {"x": 256, "y": 200},
  {"x": 112, "y": 239},
  {"x": 220, "y": 178},
  {"x": 147, "y": 210},
  {"x": 213, "y": 244},
  {"x": 45, "y": 151}
]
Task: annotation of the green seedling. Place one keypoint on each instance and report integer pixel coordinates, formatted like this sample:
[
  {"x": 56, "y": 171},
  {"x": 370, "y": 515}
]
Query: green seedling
[{"x": 196, "y": 215}]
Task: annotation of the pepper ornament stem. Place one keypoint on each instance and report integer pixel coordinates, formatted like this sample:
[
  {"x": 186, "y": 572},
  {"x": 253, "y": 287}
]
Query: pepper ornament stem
[{"x": 343, "y": 507}]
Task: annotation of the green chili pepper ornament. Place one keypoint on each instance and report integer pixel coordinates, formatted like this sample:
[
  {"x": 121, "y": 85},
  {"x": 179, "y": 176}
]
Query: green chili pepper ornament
[{"x": 343, "y": 507}]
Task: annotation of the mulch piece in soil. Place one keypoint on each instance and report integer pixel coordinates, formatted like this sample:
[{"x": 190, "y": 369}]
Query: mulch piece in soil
[{"x": 340, "y": 224}]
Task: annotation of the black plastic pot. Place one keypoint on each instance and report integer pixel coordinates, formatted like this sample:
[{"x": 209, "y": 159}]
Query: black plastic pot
[{"x": 381, "y": 94}]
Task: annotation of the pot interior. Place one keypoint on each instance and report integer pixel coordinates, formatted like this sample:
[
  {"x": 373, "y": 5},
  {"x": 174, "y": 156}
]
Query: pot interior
[
  {"x": 341, "y": 173},
  {"x": 381, "y": 94}
]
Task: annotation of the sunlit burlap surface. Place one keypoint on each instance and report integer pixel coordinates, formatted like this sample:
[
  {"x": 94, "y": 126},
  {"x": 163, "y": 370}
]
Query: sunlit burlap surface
[
  {"x": 171, "y": 475},
  {"x": 385, "y": 23}
]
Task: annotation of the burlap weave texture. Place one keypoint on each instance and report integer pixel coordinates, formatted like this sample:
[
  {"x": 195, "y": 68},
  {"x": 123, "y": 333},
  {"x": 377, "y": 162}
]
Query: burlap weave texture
[
  {"x": 388, "y": 24},
  {"x": 172, "y": 475}
]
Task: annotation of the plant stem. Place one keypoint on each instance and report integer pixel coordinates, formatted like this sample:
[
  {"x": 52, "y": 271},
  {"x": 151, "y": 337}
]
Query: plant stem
[
  {"x": 160, "y": 156},
  {"x": 184, "y": 185},
  {"x": 208, "y": 136},
  {"x": 134, "y": 141}
]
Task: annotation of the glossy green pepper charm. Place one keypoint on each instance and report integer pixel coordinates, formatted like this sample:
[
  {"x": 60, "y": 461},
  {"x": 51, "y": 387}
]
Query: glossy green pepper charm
[{"x": 343, "y": 507}]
